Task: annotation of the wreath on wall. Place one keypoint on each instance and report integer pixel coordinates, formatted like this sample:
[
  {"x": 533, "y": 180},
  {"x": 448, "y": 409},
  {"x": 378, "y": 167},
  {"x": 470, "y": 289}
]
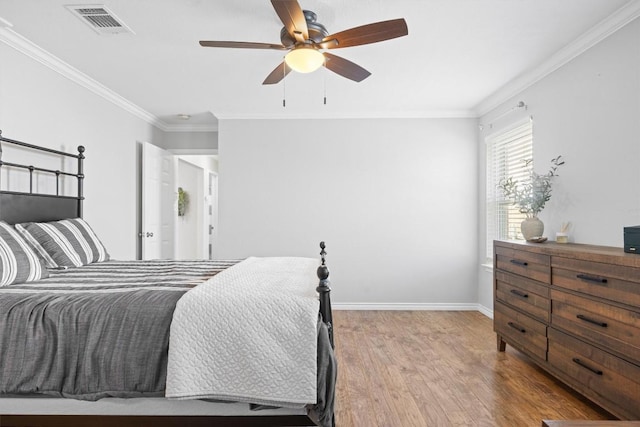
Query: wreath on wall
[{"x": 183, "y": 201}]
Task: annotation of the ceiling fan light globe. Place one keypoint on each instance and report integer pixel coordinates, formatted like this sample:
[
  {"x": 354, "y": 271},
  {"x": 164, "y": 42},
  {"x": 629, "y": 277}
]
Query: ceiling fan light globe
[{"x": 304, "y": 59}]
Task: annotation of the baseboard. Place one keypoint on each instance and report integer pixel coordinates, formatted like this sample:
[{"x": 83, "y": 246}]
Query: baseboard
[
  {"x": 486, "y": 311},
  {"x": 414, "y": 307},
  {"x": 407, "y": 306}
]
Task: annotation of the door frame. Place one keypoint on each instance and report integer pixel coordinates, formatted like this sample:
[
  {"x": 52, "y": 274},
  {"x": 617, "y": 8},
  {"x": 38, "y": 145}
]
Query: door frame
[{"x": 204, "y": 224}]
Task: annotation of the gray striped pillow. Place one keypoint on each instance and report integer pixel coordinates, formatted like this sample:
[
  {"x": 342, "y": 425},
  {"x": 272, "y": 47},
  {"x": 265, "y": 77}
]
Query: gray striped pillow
[
  {"x": 66, "y": 243},
  {"x": 18, "y": 262}
]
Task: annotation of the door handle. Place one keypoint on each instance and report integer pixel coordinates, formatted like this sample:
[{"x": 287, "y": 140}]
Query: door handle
[{"x": 149, "y": 234}]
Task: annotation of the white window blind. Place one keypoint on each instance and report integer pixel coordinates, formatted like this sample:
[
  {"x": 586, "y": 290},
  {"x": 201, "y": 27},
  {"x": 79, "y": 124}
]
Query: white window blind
[{"x": 507, "y": 155}]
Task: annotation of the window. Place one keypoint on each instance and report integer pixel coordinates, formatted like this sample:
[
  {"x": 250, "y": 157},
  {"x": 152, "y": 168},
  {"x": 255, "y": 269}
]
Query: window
[{"x": 507, "y": 152}]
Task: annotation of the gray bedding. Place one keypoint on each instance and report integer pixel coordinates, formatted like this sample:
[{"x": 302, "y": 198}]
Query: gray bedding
[
  {"x": 95, "y": 331},
  {"x": 102, "y": 330}
]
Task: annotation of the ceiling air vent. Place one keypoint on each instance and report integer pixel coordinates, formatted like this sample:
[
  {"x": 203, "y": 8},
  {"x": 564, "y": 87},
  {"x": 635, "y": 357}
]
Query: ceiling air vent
[{"x": 99, "y": 18}]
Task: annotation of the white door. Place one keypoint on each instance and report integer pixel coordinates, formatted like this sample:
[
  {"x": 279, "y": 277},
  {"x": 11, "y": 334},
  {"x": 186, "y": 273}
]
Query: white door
[{"x": 158, "y": 207}]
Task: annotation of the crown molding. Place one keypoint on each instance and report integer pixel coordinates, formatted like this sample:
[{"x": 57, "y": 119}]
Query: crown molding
[
  {"x": 35, "y": 52},
  {"x": 25, "y": 46},
  {"x": 604, "y": 29},
  {"x": 5, "y": 24},
  {"x": 426, "y": 114}
]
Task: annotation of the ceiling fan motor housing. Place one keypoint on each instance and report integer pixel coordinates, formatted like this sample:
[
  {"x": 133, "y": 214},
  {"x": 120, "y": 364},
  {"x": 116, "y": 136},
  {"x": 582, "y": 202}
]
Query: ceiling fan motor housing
[{"x": 317, "y": 31}]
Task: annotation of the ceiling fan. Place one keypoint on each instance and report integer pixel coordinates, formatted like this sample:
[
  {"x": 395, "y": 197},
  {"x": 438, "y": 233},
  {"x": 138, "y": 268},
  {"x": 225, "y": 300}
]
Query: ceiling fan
[{"x": 305, "y": 39}]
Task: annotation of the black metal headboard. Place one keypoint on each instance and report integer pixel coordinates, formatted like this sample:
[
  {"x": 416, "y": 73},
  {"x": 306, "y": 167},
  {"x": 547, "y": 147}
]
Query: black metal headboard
[{"x": 18, "y": 207}]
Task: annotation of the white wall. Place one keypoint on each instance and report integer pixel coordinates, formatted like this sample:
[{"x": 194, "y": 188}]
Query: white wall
[
  {"x": 39, "y": 106},
  {"x": 207, "y": 141},
  {"x": 209, "y": 163},
  {"x": 395, "y": 200},
  {"x": 589, "y": 112}
]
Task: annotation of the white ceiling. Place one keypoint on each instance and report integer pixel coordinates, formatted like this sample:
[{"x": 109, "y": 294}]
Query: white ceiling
[{"x": 457, "y": 55}]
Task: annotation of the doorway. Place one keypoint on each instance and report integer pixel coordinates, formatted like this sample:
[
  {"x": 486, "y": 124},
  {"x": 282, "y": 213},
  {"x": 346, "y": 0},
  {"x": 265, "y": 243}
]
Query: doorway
[
  {"x": 165, "y": 232},
  {"x": 196, "y": 229}
]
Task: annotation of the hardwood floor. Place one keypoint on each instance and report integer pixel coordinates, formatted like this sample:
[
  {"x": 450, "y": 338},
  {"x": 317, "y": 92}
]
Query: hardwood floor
[{"x": 440, "y": 368}]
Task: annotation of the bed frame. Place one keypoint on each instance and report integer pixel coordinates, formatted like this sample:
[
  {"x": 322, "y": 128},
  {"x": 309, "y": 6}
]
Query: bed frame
[
  {"x": 24, "y": 207},
  {"x": 18, "y": 207}
]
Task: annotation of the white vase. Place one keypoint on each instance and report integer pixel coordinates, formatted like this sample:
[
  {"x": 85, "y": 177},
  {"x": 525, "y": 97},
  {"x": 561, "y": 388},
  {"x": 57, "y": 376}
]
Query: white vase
[{"x": 532, "y": 227}]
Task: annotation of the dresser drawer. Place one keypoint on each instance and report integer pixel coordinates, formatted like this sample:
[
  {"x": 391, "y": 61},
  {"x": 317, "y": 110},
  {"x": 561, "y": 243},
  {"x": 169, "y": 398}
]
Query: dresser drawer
[
  {"x": 529, "y": 264},
  {"x": 609, "y": 377},
  {"x": 520, "y": 330},
  {"x": 609, "y": 326},
  {"x": 615, "y": 283},
  {"x": 526, "y": 294}
]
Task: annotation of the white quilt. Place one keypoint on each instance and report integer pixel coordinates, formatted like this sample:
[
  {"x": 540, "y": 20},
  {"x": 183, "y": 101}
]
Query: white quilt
[{"x": 248, "y": 335}]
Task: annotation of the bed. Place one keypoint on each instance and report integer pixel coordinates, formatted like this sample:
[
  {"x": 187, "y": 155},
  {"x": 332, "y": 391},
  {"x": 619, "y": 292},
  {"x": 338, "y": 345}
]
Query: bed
[{"x": 162, "y": 343}]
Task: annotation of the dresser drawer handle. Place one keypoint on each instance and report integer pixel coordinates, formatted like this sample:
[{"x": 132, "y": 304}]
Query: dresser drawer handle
[
  {"x": 516, "y": 327},
  {"x": 518, "y": 293},
  {"x": 597, "y": 280},
  {"x": 584, "y": 365},
  {"x": 518, "y": 262},
  {"x": 595, "y": 322}
]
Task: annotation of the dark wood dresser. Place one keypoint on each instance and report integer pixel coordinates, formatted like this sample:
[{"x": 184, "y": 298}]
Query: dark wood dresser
[{"x": 575, "y": 311}]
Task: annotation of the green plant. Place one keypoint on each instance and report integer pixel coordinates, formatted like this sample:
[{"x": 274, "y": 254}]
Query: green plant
[
  {"x": 531, "y": 196},
  {"x": 183, "y": 201}
]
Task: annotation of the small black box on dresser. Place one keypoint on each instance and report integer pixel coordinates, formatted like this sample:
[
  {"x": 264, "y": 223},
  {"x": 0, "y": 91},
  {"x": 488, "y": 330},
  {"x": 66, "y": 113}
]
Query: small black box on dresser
[{"x": 632, "y": 239}]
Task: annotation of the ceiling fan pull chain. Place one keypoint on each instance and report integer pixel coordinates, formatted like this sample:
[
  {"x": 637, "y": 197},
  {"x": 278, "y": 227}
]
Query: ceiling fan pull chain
[
  {"x": 324, "y": 82},
  {"x": 284, "y": 86}
]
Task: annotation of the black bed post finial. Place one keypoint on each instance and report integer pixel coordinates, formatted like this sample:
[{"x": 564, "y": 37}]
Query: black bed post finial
[
  {"x": 324, "y": 291},
  {"x": 80, "y": 179}
]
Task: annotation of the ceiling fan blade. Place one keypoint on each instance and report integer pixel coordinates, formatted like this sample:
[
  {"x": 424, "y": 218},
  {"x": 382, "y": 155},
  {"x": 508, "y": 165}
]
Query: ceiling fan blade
[
  {"x": 279, "y": 73},
  {"x": 345, "y": 68},
  {"x": 242, "y": 45},
  {"x": 291, "y": 15},
  {"x": 370, "y": 33}
]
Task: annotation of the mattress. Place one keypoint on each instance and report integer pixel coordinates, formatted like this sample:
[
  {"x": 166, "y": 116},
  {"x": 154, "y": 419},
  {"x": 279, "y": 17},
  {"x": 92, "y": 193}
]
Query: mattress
[{"x": 148, "y": 406}]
